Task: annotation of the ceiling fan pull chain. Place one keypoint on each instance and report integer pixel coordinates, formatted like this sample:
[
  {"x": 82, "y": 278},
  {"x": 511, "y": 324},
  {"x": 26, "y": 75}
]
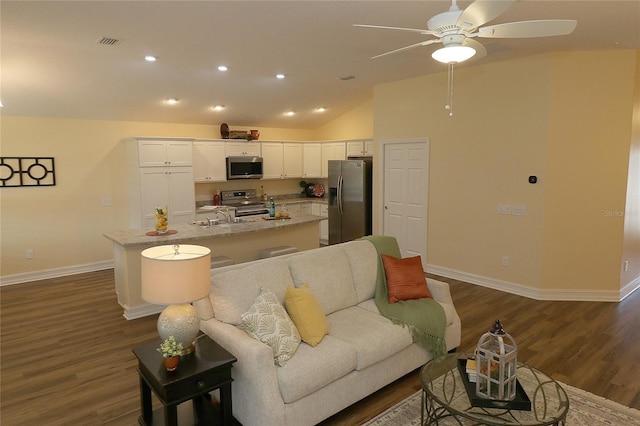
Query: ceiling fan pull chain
[{"x": 449, "y": 104}]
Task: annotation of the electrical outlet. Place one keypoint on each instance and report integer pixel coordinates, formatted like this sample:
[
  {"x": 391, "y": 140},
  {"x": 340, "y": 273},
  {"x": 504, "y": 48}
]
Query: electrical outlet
[
  {"x": 106, "y": 201},
  {"x": 626, "y": 266},
  {"x": 505, "y": 260},
  {"x": 29, "y": 254}
]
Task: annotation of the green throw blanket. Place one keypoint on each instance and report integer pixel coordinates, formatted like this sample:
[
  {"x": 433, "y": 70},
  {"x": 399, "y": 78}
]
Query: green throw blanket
[{"x": 424, "y": 317}]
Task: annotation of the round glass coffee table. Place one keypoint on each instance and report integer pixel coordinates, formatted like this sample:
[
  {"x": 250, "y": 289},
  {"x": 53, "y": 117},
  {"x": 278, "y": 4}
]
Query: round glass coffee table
[{"x": 444, "y": 396}]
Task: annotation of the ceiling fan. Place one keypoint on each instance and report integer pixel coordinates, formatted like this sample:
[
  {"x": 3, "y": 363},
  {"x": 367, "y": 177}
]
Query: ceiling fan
[{"x": 456, "y": 30}]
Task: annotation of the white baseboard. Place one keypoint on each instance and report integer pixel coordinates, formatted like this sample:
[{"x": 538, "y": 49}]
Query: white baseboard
[
  {"x": 630, "y": 288},
  {"x": 136, "y": 312},
  {"x": 536, "y": 293},
  {"x": 55, "y": 273}
]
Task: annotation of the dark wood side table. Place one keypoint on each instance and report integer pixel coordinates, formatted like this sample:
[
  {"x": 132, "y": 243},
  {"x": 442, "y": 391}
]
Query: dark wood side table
[{"x": 199, "y": 373}]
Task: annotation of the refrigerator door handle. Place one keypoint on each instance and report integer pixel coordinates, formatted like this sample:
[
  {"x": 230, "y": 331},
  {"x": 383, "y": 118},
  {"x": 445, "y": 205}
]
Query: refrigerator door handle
[{"x": 340, "y": 194}]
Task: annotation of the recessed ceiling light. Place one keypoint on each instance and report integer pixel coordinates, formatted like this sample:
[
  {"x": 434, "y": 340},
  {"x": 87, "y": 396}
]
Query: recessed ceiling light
[
  {"x": 280, "y": 76},
  {"x": 218, "y": 107},
  {"x": 171, "y": 101},
  {"x": 321, "y": 109},
  {"x": 222, "y": 68},
  {"x": 289, "y": 113},
  {"x": 150, "y": 58}
]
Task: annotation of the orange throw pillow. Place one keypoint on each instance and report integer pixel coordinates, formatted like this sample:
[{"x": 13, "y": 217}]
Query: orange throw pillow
[{"x": 405, "y": 278}]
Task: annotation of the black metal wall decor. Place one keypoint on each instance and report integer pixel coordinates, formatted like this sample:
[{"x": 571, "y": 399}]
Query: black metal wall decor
[{"x": 27, "y": 171}]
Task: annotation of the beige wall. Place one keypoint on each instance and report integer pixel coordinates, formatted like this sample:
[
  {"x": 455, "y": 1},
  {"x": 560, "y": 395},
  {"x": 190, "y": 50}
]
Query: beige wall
[
  {"x": 63, "y": 224},
  {"x": 565, "y": 118},
  {"x": 631, "y": 245},
  {"x": 355, "y": 124}
]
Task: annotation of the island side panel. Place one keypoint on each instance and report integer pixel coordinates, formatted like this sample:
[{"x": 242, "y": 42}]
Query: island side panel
[{"x": 239, "y": 247}]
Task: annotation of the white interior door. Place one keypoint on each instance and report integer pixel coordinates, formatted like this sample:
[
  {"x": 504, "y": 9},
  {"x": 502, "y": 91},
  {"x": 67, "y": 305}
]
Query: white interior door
[{"x": 406, "y": 172}]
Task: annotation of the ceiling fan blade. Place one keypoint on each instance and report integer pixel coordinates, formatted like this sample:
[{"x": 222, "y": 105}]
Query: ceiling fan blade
[
  {"x": 414, "y": 30},
  {"x": 482, "y": 11},
  {"x": 528, "y": 29},
  {"x": 422, "y": 43},
  {"x": 481, "y": 51}
]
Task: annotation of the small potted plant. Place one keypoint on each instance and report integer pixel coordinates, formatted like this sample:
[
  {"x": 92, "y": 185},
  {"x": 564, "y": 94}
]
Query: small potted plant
[{"x": 170, "y": 350}]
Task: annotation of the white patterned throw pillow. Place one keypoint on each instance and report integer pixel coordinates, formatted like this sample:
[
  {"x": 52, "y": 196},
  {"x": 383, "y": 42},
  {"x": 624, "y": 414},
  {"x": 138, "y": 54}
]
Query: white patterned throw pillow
[{"x": 268, "y": 321}]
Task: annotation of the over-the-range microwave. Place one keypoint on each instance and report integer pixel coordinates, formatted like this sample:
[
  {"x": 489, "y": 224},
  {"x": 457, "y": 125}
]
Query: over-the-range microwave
[{"x": 244, "y": 167}]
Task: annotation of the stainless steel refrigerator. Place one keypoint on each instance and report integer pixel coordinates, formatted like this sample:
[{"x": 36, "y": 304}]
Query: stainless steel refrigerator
[{"x": 349, "y": 199}]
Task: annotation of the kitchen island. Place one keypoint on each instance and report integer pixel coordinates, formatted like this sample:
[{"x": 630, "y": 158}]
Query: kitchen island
[{"x": 241, "y": 242}]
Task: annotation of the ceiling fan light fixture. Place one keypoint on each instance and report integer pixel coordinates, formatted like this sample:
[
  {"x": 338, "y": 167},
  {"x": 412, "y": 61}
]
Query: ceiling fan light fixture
[{"x": 453, "y": 54}]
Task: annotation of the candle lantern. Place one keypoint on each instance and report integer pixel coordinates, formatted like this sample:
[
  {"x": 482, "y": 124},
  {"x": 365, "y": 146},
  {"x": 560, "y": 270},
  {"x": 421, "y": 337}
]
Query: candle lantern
[{"x": 496, "y": 365}]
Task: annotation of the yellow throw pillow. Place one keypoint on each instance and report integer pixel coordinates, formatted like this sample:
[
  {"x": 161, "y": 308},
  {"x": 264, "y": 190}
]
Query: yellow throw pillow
[{"x": 306, "y": 314}]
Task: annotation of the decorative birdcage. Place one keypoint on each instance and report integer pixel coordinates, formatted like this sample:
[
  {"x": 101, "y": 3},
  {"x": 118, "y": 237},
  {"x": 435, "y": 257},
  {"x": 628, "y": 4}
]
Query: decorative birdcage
[{"x": 496, "y": 365}]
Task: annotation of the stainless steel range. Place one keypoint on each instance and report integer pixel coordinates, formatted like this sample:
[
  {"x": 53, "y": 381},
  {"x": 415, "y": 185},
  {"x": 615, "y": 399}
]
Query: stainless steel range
[{"x": 245, "y": 201}]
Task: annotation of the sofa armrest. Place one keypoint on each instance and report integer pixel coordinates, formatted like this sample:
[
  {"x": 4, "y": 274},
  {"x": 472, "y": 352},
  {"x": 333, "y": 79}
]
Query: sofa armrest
[
  {"x": 440, "y": 291},
  {"x": 255, "y": 388}
]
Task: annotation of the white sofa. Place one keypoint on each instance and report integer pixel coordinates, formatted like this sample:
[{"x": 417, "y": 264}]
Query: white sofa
[{"x": 362, "y": 353}]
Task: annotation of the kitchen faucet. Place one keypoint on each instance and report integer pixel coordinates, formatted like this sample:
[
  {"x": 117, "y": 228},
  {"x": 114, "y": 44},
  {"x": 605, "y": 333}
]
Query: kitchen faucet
[{"x": 225, "y": 212}]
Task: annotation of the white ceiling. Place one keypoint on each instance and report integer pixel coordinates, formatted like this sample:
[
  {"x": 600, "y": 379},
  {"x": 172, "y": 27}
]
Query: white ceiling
[{"x": 52, "y": 66}]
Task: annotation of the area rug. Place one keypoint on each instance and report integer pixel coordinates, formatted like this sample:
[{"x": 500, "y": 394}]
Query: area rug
[{"x": 585, "y": 409}]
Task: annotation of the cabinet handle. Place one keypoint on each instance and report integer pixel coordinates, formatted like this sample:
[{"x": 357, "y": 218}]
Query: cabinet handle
[{"x": 201, "y": 385}]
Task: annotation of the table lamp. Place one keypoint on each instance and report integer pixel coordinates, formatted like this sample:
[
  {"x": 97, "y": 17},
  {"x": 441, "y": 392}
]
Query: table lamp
[{"x": 176, "y": 275}]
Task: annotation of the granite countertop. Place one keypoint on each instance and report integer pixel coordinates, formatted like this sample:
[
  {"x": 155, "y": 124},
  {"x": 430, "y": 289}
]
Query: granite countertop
[{"x": 192, "y": 232}]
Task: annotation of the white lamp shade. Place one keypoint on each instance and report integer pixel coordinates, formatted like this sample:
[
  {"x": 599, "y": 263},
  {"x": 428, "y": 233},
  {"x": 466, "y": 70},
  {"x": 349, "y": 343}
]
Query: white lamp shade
[
  {"x": 453, "y": 54},
  {"x": 175, "y": 273}
]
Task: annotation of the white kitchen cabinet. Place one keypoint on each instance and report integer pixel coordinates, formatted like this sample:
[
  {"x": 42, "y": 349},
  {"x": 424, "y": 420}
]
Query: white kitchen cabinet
[
  {"x": 331, "y": 151},
  {"x": 209, "y": 163},
  {"x": 159, "y": 152},
  {"x": 281, "y": 160},
  {"x": 242, "y": 148},
  {"x": 306, "y": 208},
  {"x": 272, "y": 160},
  {"x": 312, "y": 160},
  {"x": 168, "y": 185},
  {"x": 322, "y": 209},
  {"x": 363, "y": 148},
  {"x": 292, "y": 155}
]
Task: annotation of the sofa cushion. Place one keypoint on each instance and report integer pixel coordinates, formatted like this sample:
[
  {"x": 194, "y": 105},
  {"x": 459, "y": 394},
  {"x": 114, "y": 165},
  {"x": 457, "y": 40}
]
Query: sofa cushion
[
  {"x": 328, "y": 275},
  {"x": 313, "y": 368},
  {"x": 363, "y": 260},
  {"x": 232, "y": 292},
  {"x": 405, "y": 278},
  {"x": 306, "y": 314},
  {"x": 373, "y": 336},
  {"x": 267, "y": 321}
]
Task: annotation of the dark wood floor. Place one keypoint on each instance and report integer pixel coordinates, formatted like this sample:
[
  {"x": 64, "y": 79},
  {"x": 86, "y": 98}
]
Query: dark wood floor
[{"x": 66, "y": 356}]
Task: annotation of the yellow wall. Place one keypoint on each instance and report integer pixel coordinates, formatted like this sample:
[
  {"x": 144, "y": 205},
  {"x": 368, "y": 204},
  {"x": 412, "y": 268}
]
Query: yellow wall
[
  {"x": 590, "y": 119},
  {"x": 631, "y": 244},
  {"x": 63, "y": 224},
  {"x": 355, "y": 124},
  {"x": 565, "y": 118}
]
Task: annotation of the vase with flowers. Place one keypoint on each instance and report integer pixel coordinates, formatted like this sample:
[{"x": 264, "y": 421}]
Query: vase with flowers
[{"x": 170, "y": 350}]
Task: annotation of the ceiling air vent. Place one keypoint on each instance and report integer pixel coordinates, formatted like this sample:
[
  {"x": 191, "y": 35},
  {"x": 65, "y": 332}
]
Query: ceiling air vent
[{"x": 108, "y": 41}]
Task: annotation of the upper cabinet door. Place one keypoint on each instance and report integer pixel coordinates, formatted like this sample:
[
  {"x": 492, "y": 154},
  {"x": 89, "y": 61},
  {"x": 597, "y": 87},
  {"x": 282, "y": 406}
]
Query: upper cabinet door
[
  {"x": 312, "y": 160},
  {"x": 155, "y": 153},
  {"x": 209, "y": 163},
  {"x": 240, "y": 148},
  {"x": 331, "y": 151},
  {"x": 272, "y": 160},
  {"x": 292, "y": 160}
]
